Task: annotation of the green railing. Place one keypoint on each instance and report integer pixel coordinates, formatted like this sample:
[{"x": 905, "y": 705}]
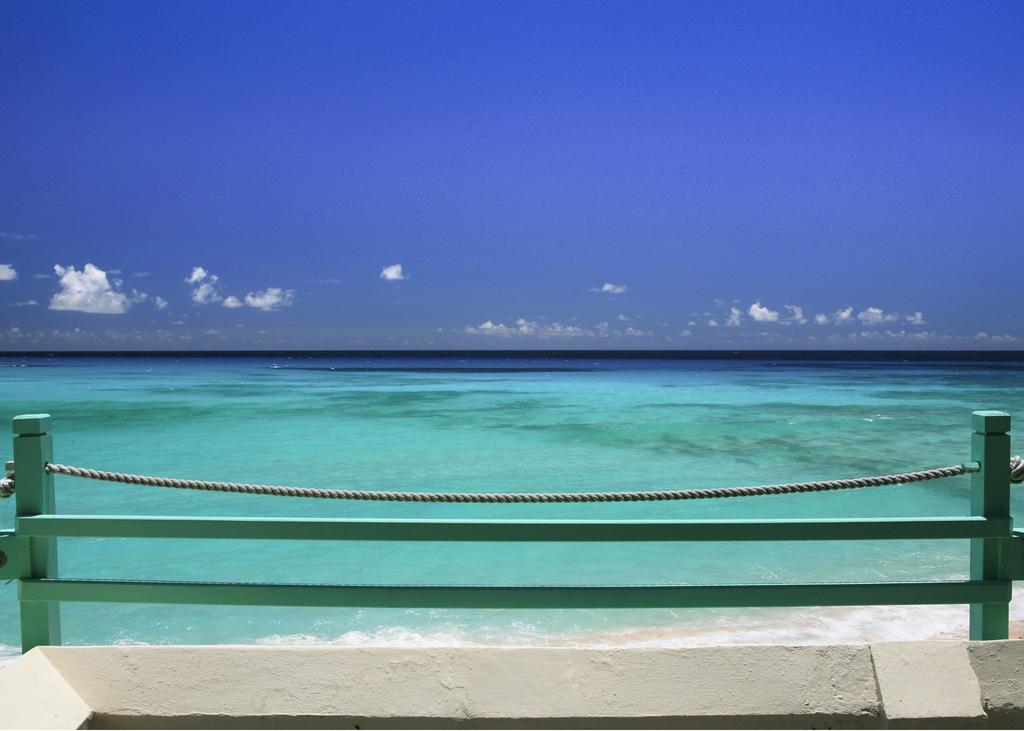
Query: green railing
[{"x": 29, "y": 552}]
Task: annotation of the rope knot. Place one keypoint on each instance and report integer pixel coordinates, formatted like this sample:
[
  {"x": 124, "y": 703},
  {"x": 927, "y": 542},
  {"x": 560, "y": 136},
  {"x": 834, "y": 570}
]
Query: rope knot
[
  {"x": 7, "y": 483},
  {"x": 1016, "y": 469}
]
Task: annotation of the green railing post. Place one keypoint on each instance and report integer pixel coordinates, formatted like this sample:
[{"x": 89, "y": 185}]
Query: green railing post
[
  {"x": 990, "y": 497},
  {"x": 33, "y": 448}
]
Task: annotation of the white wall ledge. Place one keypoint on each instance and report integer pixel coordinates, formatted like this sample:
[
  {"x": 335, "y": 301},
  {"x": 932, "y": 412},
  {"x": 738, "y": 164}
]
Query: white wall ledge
[{"x": 888, "y": 685}]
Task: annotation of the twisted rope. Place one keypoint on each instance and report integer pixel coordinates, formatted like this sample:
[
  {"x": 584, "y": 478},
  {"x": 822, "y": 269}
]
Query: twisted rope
[
  {"x": 1016, "y": 469},
  {"x": 511, "y": 497}
]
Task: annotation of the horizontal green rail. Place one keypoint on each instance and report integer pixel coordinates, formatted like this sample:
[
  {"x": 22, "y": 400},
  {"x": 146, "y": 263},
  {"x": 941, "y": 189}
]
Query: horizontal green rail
[
  {"x": 515, "y": 597},
  {"x": 845, "y": 529},
  {"x": 30, "y": 553}
]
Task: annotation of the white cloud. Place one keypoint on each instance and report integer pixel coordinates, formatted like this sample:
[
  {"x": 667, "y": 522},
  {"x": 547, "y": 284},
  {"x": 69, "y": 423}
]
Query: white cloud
[
  {"x": 137, "y": 296},
  {"x": 106, "y": 336},
  {"x": 523, "y": 327},
  {"x": 996, "y": 338},
  {"x": 42, "y": 276},
  {"x": 17, "y": 236},
  {"x": 393, "y": 273},
  {"x": 875, "y": 316},
  {"x": 490, "y": 328},
  {"x": 269, "y": 299},
  {"x": 140, "y": 274},
  {"x": 796, "y": 314},
  {"x": 159, "y": 302},
  {"x": 7, "y": 273},
  {"x": 871, "y": 316},
  {"x": 204, "y": 286},
  {"x": 205, "y": 292},
  {"x": 520, "y": 327},
  {"x": 87, "y": 291},
  {"x": 686, "y": 333},
  {"x": 558, "y": 330},
  {"x": 26, "y": 303},
  {"x": 762, "y": 314},
  {"x": 916, "y": 335},
  {"x": 199, "y": 274},
  {"x": 843, "y": 315},
  {"x": 609, "y": 288},
  {"x": 526, "y": 327}
]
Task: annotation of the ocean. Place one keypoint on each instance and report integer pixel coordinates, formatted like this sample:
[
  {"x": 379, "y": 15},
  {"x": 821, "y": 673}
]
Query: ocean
[{"x": 509, "y": 422}]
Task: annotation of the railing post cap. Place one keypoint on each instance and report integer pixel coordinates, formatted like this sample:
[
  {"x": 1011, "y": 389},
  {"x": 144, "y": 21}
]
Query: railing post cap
[
  {"x": 28, "y": 425},
  {"x": 990, "y": 422}
]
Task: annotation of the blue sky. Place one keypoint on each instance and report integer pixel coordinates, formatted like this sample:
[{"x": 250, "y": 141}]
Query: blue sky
[{"x": 546, "y": 175}]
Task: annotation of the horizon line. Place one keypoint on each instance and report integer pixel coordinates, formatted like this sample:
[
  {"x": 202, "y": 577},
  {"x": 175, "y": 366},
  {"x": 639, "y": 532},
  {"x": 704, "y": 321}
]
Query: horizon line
[{"x": 560, "y": 352}]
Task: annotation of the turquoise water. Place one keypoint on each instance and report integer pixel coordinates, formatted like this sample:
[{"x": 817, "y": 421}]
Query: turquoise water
[{"x": 498, "y": 423}]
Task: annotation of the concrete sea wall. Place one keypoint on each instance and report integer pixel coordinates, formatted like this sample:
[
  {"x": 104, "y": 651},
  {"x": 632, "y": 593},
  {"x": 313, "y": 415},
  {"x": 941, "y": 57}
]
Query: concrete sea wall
[{"x": 888, "y": 685}]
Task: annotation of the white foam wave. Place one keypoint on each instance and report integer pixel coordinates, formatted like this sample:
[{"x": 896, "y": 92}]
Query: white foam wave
[
  {"x": 8, "y": 654},
  {"x": 816, "y": 626},
  {"x": 382, "y": 637}
]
